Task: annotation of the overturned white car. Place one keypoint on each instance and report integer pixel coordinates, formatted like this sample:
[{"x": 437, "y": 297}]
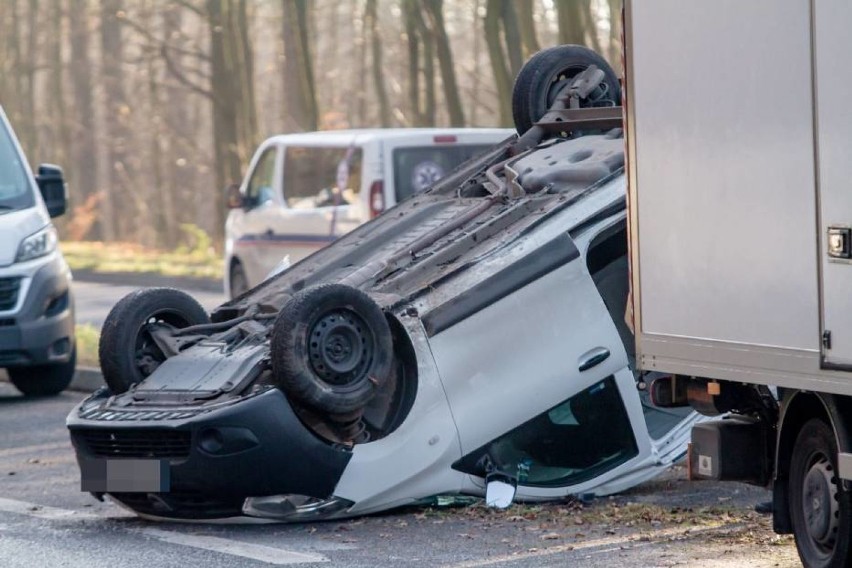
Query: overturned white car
[{"x": 475, "y": 331}]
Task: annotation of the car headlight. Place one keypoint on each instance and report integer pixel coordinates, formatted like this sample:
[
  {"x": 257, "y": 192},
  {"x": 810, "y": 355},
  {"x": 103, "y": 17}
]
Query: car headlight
[{"x": 39, "y": 244}]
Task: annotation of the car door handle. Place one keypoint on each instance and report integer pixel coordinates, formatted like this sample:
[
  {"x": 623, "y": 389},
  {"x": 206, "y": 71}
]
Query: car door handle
[{"x": 593, "y": 357}]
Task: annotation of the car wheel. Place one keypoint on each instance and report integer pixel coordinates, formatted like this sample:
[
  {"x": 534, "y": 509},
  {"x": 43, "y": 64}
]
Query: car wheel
[
  {"x": 127, "y": 351},
  {"x": 44, "y": 380},
  {"x": 332, "y": 348},
  {"x": 548, "y": 72},
  {"x": 820, "y": 508},
  {"x": 238, "y": 279}
]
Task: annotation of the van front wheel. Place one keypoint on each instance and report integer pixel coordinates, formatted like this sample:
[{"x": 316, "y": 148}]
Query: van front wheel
[{"x": 43, "y": 380}]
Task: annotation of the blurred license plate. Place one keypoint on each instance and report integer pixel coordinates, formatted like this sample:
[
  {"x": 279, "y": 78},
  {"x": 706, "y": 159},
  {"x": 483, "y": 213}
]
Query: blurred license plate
[{"x": 124, "y": 476}]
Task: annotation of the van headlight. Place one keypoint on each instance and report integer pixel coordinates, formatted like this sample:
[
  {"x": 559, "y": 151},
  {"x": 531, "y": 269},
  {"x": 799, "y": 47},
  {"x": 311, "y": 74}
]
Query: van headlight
[{"x": 38, "y": 244}]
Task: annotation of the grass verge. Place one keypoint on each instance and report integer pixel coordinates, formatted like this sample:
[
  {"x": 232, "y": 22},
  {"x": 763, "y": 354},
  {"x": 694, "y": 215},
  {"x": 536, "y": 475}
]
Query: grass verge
[
  {"x": 87, "y": 345},
  {"x": 199, "y": 260}
]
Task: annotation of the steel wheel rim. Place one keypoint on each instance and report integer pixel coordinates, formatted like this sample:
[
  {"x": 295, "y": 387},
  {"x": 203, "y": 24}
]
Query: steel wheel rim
[
  {"x": 340, "y": 347},
  {"x": 820, "y": 505}
]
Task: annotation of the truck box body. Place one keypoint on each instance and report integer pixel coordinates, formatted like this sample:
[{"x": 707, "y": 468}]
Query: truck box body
[{"x": 740, "y": 165}]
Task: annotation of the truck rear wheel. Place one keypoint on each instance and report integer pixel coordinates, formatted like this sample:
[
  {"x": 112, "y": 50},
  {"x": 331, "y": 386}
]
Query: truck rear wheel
[{"x": 820, "y": 508}]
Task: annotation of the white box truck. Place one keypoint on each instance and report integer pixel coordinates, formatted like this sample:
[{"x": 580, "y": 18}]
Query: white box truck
[{"x": 739, "y": 138}]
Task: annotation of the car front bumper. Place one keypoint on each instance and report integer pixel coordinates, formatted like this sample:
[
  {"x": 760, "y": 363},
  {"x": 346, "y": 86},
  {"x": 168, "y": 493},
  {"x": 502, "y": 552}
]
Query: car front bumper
[
  {"x": 201, "y": 462},
  {"x": 39, "y": 329}
]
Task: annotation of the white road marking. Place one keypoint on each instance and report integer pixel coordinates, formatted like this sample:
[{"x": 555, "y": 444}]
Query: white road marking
[
  {"x": 34, "y": 449},
  {"x": 262, "y": 553},
  {"x": 259, "y": 552},
  {"x": 41, "y": 511},
  {"x": 634, "y": 540}
]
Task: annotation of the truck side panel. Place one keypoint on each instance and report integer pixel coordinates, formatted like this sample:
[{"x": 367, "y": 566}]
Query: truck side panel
[
  {"x": 723, "y": 190},
  {"x": 832, "y": 46}
]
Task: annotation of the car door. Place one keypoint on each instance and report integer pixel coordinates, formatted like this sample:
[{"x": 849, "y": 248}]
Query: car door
[
  {"x": 538, "y": 375},
  {"x": 253, "y": 227},
  {"x": 320, "y": 185}
]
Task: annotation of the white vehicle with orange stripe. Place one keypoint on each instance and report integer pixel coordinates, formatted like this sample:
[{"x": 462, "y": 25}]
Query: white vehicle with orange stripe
[{"x": 302, "y": 191}]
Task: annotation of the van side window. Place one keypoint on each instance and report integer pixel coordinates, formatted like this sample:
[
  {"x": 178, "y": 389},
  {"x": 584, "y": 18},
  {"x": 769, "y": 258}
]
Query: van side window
[
  {"x": 260, "y": 186},
  {"x": 321, "y": 177},
  {"x": 417, "y": 168}
]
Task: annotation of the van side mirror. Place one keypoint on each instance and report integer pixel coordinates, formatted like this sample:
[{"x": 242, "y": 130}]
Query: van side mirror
[
  {"x": 53, "y": 189},
  {"x": 234, "y": 197}
]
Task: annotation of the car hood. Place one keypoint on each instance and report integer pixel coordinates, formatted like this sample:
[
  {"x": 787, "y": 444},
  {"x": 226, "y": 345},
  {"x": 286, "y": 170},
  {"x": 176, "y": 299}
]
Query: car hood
[{"x": 15, "y": 226}]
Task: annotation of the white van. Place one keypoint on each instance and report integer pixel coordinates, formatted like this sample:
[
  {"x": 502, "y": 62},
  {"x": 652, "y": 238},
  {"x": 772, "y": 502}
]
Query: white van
[
  {"x": 37, "y": 346},
  {"x": 302, "y": 191}
]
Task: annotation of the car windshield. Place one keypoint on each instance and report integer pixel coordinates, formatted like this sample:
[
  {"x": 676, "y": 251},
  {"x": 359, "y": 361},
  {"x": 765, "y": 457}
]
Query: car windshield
[
  {"x": 585, "y": 436},
  {"x": 15, "y": 190},
  {"x": 417, "y": 168}
]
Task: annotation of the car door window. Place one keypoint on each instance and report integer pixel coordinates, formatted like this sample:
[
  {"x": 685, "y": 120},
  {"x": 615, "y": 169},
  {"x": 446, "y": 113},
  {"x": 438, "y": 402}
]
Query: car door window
[
  {"x": 261, "y": 185},
  {"x": 321, "y": 177},
  {"x": 581, "y": 438}
]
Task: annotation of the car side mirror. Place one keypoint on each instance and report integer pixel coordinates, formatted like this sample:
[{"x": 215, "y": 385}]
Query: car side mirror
[
  {"x": 53, "y": 189},
  {"x": 235, "y": 199},
  {"x": 499, "y": 490}
]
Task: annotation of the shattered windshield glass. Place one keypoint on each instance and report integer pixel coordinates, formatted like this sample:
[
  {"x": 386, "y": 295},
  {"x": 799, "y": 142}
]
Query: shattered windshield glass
[
  {"x": 15, "y": 191},
  {"x": 586, "y": 435}
]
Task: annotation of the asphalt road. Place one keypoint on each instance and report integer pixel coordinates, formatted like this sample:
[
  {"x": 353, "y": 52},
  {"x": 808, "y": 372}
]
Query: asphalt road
[
  {"x": 93, "y": 300},
  {"x": 46, "y": 521}
]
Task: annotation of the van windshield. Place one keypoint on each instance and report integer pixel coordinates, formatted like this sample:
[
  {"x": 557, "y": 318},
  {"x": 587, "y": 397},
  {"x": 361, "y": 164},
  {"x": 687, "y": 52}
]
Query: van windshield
[
  {"x": 417, "y": 168},
  {"x": 15, "y": 190}
]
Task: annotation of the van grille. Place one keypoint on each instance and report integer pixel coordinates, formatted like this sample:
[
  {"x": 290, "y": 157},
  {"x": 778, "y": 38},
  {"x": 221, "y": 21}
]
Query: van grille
[
  {"x": 160, "y": 444},
  {"x": 9, "y": 292}
]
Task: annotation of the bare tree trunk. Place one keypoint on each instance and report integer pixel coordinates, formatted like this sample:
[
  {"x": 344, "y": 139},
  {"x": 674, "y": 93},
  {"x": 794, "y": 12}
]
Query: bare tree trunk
[
  {"x": 410, "y": 10},
  {"x": 225, "y": 136},
  {"x": 372, "y": 24},
  {"x": 29, "y": 140},
  {"x": 299, "y": 88},
  {"x": 116, "y": 115},
  {"x": 615, "y": 35},
  {"x": 54, "y": 99},
  {"x": 84, "y": 159},
  {"x": 513, "y": 37},
  {"x": 570, "y": 19},
  {"x": 502, "y": 78},
  {"x": 434, "y": 10},
  {"x": 177, "y": 125},
  {"x": 526, "y": 25}
]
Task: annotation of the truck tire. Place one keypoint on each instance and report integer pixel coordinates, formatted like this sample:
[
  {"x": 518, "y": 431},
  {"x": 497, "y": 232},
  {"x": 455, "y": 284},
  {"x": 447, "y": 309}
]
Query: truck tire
[
  {"x": 331, "y": 348},
  {"x": 820, "y": 509},
  {"x": 547, "y": 72},
  {"x": 127, "y": 353},
  {"x": 43, "y": 380}
]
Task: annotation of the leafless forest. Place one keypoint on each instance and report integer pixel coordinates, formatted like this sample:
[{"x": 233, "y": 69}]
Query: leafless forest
[{"x": 153, "y": 106}]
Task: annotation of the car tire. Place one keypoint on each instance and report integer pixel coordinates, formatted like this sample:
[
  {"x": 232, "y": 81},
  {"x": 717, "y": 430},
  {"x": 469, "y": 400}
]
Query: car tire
[
  {"x": 331, "y": 348},
  {"x": 547, "y": 72},
  {"x": 238, "y": 279},
  {"x": 44, "y": 380},
  {"x": 820, "y": 508},
  {"x": 126, "y": 351}
]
